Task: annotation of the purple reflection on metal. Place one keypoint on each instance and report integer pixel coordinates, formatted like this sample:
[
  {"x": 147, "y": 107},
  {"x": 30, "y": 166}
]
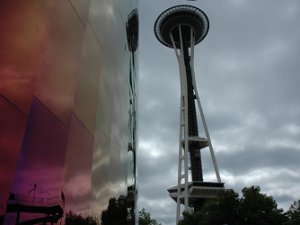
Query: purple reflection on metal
[{"x": 40, "y": 167}]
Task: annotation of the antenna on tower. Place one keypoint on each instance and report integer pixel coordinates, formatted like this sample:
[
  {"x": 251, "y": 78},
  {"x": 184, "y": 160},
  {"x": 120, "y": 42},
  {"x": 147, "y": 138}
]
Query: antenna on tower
[{"x": 181, "y": 28}]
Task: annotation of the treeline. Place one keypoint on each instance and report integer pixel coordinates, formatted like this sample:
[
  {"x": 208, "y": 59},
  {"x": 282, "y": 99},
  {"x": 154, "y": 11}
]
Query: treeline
[{"x": 252, "y": 208}]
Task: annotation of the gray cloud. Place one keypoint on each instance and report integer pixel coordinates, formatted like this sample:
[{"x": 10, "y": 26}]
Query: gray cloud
[{"x": 247, "y": 70}]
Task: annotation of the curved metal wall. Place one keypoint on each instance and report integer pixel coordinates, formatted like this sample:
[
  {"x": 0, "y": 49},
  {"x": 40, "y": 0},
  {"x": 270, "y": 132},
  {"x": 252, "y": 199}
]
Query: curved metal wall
[{"x": 67, "y": 112}]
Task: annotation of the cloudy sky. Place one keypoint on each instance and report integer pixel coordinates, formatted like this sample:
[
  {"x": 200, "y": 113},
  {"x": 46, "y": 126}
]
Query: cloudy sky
[{"x": 247, "y": 71}]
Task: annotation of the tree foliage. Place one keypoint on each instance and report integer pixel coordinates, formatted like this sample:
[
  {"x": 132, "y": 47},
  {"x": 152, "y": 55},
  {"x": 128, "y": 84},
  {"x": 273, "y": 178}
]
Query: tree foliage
[
  {"x": 258, "y": 208},
  {"x": 145, "y": 218},
  {"x": 75, "y": 219},
  {"x": 293, "y": 214},
  {"x": 116, "y": 212},
  {"x": 253, "y": 208}
]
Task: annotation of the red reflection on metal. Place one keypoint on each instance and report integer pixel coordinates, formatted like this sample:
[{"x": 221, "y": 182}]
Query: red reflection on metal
[{"x": 22, "y": 42}]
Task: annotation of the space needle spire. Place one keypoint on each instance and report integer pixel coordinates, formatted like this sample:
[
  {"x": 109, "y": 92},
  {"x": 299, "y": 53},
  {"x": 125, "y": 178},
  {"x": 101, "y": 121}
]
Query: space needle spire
[{"x": 181, "y": 28}]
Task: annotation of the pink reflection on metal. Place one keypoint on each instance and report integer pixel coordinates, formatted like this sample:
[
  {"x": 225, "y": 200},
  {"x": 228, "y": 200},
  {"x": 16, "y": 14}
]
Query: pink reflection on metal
[{"x": 36, "y": 201}]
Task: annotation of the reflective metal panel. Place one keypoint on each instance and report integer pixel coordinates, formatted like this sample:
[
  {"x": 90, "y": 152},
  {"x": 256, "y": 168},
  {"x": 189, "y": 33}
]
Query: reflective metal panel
[
  {"x": 101, "y": 191},
  {"x": 86, "y": 97},
  {"x": 67, "y": 112},
  {"x": 78, "y": 168},
  {"x": 22, "y": 45},
  {"x": 37, "y": 182},
  {"x": 57, "y": 74},
  {"x": 13, "y": 123},
  {"x": 81, "y": 9},
  {"x": 111, "y": 32}
]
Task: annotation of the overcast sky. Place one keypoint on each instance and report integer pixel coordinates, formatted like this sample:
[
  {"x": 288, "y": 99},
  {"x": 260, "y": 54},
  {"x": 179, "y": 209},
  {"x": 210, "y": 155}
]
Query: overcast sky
[{"x": 247, "y": 72}]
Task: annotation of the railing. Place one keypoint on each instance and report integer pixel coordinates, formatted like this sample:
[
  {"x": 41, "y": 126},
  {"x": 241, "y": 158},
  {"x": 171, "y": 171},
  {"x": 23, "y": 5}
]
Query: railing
[{"x": 35, "y": 201}]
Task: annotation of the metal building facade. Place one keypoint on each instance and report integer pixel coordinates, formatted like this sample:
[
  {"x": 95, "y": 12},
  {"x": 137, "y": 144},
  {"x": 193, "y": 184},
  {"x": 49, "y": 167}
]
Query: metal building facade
[{"x": 67, "y": 108}]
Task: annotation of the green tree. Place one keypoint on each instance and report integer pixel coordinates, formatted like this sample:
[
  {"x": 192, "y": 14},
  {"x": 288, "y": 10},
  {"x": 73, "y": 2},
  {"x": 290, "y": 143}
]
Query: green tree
[
  {"x": 225, "y": 210},
  {"x": 75, "y": 219},
  {"x": 145, "y": 218},
  {"x": 260, "y": 209},
  {"x": 116, "y": 213},
  {"x": 253, "y": 208},
  {"x": 189, "y": 218},
  {"x": 222, "y": 210},
  {"x": 293, "y": 213}
]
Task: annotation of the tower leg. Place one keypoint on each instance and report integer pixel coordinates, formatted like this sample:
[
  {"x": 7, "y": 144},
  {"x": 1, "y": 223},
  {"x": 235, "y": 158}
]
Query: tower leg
[{"x": 183, "y": 160}]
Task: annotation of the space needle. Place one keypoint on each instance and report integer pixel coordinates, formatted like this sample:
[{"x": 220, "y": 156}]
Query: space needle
[{"x": 181, "y": 28}]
